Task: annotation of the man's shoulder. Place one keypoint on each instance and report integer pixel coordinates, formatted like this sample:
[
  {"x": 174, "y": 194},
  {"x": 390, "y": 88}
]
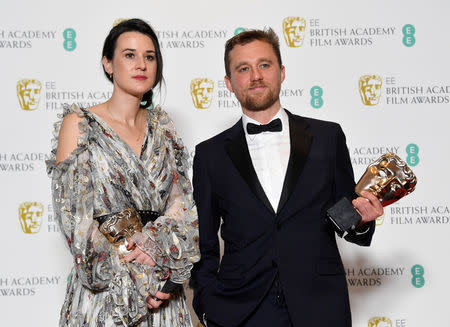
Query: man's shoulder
[
  {"x": 219, "y": 138},
  {"x": 314, "y": 123}
]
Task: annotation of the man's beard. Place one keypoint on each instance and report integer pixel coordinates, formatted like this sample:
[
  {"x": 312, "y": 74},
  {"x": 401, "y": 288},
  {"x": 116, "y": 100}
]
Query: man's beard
[{"x": 260, "y": 103}]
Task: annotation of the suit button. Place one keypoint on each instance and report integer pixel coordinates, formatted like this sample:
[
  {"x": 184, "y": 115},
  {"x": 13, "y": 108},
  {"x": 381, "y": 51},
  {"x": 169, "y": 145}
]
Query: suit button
[
  {"x": 278, "y": 226},
  {"x": 274, "y": 264}
]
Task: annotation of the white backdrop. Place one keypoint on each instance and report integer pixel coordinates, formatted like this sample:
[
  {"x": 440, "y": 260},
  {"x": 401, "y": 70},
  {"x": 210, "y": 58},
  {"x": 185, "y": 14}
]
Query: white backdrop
[{"x": 55, "y": 46}]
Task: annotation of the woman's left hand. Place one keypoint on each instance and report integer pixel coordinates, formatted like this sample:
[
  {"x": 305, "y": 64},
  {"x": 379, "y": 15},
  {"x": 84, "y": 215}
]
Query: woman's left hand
[
  {"x": 138, "y": 255},
  {"x": 154, "y": 301}
]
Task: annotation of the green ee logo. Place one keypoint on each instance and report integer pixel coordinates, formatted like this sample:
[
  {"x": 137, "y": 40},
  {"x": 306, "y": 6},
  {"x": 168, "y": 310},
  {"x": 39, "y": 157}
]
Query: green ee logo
[
  {"x": 316, "y": 97},
  {"x": 417, "y": 279},
  {"x": 69, "y": 35},
  {"x": 412, "y": 151},
  {"x": 239, "y": 30},
  {"x": 408, "y": 35}
]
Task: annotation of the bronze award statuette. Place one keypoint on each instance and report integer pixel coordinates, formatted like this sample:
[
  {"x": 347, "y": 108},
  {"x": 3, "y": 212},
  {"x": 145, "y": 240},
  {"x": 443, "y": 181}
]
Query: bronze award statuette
[
  {"x": 117, "y": 227},
  {"x": 389, "y": 178}
]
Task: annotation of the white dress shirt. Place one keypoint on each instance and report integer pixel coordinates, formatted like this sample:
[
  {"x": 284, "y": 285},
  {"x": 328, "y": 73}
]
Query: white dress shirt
[{"x": 270, "y": 153}]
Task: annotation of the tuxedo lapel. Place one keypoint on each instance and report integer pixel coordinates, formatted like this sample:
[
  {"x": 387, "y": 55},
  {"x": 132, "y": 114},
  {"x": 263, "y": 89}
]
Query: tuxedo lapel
[
  {"x": 301, "y": 140},
  {"x": 237, "y": 149}
]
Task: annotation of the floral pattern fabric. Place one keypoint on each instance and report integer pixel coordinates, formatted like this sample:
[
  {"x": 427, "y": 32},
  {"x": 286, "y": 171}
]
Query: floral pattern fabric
[{"x": 104, "y": 175}]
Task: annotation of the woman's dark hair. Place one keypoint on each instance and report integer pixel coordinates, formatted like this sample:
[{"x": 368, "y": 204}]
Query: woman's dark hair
[{"x": 134, "y": 25}]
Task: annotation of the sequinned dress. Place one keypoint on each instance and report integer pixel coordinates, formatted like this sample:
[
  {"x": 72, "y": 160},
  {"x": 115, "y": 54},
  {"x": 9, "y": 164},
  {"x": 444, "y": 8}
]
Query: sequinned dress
[{"x": 104, "y": 175}]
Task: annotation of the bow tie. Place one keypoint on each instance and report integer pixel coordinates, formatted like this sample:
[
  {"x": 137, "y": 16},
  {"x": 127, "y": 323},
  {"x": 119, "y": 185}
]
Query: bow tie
[{"x": 274, "y": 126}]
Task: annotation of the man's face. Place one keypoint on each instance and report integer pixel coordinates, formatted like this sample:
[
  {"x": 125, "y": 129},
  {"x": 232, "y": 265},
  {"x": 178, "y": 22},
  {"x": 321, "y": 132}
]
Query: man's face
[
  {"x": 372, "y": 91},
  {"x": 295, "y": 32},
  {"x": 255, "y": 76}
]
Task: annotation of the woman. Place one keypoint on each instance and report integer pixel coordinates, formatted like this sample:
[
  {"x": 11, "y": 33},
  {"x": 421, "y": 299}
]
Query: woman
[{"x": 115, "y": 158}]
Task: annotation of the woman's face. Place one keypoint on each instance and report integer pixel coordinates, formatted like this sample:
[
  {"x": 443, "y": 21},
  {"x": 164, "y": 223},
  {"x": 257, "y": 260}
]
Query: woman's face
[{"x": 134, "y": 64}]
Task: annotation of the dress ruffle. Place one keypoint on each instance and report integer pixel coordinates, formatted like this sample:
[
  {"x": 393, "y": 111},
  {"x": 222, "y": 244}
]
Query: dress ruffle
[
  {"x": 82, "y": 142},
  {"x": 166, "y": 239}
]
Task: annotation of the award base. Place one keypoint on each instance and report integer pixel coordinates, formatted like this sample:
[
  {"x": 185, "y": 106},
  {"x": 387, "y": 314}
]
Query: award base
[{"x": 344, "y": 217}]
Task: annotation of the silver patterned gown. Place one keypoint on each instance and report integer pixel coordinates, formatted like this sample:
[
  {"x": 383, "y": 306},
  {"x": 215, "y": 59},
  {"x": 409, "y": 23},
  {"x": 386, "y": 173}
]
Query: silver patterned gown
[{"x": 103, "y": 175}]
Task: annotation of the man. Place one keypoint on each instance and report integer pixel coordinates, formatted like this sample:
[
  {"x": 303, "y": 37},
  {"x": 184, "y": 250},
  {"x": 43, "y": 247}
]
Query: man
[{"x": 271, "y": 185}]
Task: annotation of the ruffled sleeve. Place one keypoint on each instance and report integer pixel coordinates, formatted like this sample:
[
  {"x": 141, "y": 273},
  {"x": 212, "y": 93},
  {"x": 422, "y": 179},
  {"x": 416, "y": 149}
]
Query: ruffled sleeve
[
  {"x": 172, "y": 240},
  {"x": 96, "y": 261}
]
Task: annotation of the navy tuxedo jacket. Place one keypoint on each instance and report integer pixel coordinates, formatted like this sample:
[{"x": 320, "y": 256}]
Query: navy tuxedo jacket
[{"x": 296, "y": 242}]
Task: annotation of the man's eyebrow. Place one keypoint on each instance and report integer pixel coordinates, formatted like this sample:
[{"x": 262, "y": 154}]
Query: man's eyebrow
[
  {"x": 239, "y": 64},
  {"x": 259, "y": 61}
]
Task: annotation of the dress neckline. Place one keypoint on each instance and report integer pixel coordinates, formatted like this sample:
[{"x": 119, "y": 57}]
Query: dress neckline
[{"x": 112, "y": 132}]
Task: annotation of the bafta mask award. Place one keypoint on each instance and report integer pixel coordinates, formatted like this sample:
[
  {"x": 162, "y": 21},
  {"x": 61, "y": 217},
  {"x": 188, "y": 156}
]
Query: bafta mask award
[
  {"x": 389, "y": 178},
  {"x": 117, "y": 227}
]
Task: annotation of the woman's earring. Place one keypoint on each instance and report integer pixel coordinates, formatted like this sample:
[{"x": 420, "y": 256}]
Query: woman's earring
[{"x": 111, "y": 76}]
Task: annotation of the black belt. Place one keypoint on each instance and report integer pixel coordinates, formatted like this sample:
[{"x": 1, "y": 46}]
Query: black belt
[{"x": 145, "y": 215}]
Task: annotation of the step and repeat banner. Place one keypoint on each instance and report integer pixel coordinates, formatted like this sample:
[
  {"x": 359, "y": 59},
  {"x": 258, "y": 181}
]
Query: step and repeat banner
[{"x": 380, "y": 69}]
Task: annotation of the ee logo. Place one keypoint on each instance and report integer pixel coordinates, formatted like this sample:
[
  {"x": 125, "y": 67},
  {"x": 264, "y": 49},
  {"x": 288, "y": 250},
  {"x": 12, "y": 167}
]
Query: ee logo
[
  {"x": 412, "y": 151},
  {"x": 408, "y": 35},
  {"x": 316, "y": 97},
  {"x": 69, "y": 35},
  {"x": 239, "y": 30},
  {"x": 417, "y": 272}
]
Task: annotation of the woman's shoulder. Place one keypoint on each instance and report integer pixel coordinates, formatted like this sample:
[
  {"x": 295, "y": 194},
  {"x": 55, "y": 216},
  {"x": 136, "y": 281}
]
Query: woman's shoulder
[
  {"x": 70, "y": 136},
  {"x": 98, "y": 109}
]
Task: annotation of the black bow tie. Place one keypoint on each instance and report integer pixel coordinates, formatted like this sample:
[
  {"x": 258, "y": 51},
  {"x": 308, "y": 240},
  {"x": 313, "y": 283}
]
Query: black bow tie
[{"x": 274, "y": 126}]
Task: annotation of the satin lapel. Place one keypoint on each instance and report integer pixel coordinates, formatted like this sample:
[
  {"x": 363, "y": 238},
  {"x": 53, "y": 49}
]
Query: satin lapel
[
  {"x": 301, "y": 140},
  {"x": 237, "y": 149}
]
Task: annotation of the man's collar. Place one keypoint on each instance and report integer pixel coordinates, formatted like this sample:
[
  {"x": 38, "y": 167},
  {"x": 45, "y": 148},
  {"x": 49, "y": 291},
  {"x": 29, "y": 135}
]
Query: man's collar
[{"x": 280, "y": 114}]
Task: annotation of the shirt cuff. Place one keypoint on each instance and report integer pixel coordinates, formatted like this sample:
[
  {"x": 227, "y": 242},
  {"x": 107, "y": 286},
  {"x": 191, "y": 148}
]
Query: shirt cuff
[{"x": 362, "y": 230}]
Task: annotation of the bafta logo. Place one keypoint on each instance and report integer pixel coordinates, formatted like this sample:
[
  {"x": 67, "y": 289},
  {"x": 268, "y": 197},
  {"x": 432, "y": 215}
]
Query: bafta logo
[
  {"x": 202, "y": 92},
  {"x": 380, "y": 220},
  {"x": 118, "y": 21},
  {"x": 294, "y": 31},
  {"x": 30, "y": 217},
  {"x": 29, "y": 93},
  {"x": 370, "y": 89},
  {"x": 380, "y": 322}
]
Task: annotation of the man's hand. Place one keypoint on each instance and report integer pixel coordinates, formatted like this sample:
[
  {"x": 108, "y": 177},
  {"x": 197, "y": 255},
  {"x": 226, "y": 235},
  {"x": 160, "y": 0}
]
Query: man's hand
[{"x": 368, "y": 206}]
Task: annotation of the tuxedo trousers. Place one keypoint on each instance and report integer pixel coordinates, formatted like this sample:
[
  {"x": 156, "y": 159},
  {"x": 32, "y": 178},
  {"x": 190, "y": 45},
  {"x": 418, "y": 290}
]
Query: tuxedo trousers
[{"x": 271, "y": 311}]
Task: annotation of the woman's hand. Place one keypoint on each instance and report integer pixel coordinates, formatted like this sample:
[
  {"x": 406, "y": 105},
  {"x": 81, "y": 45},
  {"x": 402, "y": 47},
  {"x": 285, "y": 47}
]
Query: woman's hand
[
  {"x": 154, "y": 301},
  {"x": 138, "y": 255}
]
